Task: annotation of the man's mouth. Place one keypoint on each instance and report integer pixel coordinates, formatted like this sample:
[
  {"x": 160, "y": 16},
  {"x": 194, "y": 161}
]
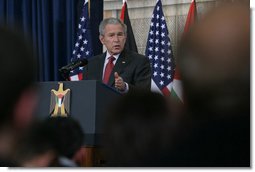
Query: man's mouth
[{"x": 116, "y": 46}]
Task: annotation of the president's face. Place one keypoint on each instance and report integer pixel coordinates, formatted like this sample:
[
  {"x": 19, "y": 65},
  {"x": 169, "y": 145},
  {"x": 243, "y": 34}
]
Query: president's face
[{"x": 114, "y": 38}]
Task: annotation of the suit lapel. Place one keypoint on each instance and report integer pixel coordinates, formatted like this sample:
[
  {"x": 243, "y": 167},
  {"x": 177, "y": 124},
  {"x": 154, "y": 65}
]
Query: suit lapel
[{"x": 119, "y": 67}]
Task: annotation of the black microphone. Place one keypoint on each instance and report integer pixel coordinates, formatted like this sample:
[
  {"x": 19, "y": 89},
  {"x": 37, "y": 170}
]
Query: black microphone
[{"x": 73, "y": 65}]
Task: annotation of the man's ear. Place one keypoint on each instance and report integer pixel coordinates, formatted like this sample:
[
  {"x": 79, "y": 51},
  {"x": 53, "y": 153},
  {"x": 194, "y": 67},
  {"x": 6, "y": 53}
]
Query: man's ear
[
  {"x": 101, "y": 38},
  {"x": 25, "y": 107}
]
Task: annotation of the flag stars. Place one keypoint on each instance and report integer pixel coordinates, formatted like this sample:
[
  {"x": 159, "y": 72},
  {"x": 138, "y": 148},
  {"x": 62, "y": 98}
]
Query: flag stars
[
  {"x": 162, "y": 75},
  {"x": 82, "y": 48},
  {"x": 85, "y": 41},
  {"x": 155, "y": 74},
  {"x": 158, "y": 45},
  {"x": 161, "y": 83},
  {"x": 169, "y": 52},
  {"x": 83, "y": 19}
]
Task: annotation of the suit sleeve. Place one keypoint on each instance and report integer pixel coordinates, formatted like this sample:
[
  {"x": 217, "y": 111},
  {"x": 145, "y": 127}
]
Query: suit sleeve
[{"x": 142, "y": 76}]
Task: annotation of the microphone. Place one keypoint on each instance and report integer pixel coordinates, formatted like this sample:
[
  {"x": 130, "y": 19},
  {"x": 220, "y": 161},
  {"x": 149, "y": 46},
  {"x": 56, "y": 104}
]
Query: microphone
[{"x": 73, "y": 65}]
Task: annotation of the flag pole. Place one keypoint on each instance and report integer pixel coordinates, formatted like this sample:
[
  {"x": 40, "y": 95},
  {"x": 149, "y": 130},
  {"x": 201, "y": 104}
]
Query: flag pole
[{"x": 89, "y": 7}]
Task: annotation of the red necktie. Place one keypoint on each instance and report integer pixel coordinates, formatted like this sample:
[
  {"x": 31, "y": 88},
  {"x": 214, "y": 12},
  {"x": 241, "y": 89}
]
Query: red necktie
[{"x": 108, "y": 69}]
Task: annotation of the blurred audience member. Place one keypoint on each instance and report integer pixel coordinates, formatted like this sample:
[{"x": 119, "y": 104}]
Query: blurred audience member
[
  {"x": 215, "y": 62},
  {"x": 37, "y": 148},
  {"x": 215, "y": 67},
  {"x": 17, "y": 93},
  {"x": 53, "y": 142},
  {"x": 137, "y": 130},
  {"x": 68, "y": 139}
]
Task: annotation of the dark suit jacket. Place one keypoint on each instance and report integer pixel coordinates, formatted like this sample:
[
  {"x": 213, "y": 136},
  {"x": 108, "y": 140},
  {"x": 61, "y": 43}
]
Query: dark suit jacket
[{"x": 132, "y": 67}]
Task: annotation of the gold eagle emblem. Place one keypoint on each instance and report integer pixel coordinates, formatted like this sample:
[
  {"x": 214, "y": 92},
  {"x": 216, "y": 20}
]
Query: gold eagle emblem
[{"x": 60, "y": 102}]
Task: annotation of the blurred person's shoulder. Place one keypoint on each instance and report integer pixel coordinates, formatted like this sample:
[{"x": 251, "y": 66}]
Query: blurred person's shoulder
[{"x": 8, "y": 163}]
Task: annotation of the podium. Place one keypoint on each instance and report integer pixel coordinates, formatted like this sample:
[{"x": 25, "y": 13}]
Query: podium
[{"x": 89, "y": 101}]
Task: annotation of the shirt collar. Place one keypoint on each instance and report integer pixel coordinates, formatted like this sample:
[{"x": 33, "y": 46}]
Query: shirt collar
[{"x": 109, "y": 55}]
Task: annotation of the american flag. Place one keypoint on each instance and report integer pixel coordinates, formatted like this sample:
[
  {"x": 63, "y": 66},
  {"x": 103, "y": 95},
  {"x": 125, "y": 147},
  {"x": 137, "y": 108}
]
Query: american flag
[
  {"x": 83, "y": 44},
  {"x": 159, "y": 51}
]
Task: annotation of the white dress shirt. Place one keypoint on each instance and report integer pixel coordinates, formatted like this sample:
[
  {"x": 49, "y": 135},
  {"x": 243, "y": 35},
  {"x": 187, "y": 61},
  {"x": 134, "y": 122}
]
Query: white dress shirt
[
  {"x": 114, "y": 62},
  {"x": 106, "y": 60}
]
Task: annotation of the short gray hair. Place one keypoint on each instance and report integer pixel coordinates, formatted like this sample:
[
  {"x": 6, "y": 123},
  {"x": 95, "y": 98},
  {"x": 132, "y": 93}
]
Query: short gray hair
[{"x": 111, "y": 21}]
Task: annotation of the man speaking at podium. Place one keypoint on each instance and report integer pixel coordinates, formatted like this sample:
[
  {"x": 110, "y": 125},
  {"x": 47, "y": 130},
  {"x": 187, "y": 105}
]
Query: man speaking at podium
[{"x": 125, "y": 70}]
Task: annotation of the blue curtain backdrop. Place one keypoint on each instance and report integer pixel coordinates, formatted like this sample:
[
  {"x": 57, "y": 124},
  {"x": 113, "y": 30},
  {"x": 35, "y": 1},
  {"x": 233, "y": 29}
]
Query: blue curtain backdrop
[{"x": 51, "y": 25}]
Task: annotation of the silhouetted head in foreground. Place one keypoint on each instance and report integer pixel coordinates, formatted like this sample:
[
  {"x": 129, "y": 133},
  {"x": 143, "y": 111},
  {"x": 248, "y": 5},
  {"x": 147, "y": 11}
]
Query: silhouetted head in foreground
[
  {"x": 18, "y": 71},
  {"x": 136, "y": 130},
  {"x": 17, "y": 91},
  {"x": 46, "y": 143},
  {"x": 215, "y": 67},
  {"x": 67, "y": 133},
  {"x": 215, "y": 61}
]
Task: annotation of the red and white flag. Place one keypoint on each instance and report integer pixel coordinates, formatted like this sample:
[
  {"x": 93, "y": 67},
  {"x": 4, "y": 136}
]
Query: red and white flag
[{"x": 177, "y": 90}]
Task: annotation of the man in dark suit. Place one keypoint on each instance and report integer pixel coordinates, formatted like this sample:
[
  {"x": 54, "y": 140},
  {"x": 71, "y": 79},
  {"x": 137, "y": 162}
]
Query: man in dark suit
[{"x": 119, "y": 68}]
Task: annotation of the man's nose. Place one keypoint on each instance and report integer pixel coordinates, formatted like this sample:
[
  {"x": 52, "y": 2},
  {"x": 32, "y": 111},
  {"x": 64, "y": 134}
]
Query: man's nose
[{"x": 116, "y": 38}]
